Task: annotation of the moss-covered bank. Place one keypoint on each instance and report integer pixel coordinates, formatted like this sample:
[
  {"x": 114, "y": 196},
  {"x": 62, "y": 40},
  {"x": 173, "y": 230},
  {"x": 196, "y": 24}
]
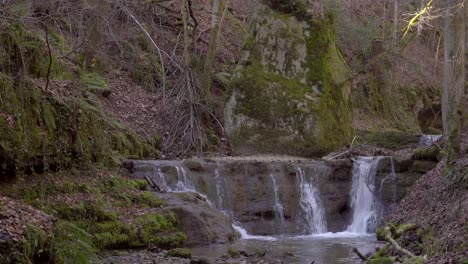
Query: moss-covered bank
[
  {"x": 96, "y": 211},
  {"x": 41, "y": 129},
  {"x": 290, "y": 91}
]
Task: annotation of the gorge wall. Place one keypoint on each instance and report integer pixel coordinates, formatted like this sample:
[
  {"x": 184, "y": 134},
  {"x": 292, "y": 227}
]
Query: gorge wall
[{"x": 290, "y": 92}]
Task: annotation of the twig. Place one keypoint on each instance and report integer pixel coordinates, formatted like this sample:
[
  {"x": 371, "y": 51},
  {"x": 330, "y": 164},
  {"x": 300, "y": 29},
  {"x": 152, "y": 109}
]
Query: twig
[
  {"x": 163, "y": 69},
  {"x": 49, "y": 68}
]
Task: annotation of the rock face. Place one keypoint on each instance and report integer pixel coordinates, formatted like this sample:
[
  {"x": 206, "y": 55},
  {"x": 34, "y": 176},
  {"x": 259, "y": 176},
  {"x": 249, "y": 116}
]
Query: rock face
[
  {"x": 290, "y": 93},
  {"x": 249, "y": 191},
  {"x": 268, "y": 197}
]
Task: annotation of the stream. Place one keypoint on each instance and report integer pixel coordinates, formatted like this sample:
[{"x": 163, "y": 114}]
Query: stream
[
  {"x": 329, "y": 248},
  {"x": 284, "y": 209}
]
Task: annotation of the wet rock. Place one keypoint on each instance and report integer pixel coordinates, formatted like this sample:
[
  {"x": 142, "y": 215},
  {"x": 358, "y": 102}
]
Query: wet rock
[{"x": 202, "y": 224}]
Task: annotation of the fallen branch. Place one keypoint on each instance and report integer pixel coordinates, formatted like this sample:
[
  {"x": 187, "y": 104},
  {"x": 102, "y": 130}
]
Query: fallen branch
[
  {"x": 355, "y": 250},
  {"x": 152, "y": 184},
  {"x": 342, "y": 153},
  {"x": 389, "y": 232}
]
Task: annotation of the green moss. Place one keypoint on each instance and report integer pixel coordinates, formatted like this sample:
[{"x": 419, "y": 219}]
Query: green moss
[
  {"x": 95, "y": 83},
  {"x": 72, "y": 244},
  {"x": 66, "y": 243},
  {"x": 387, "y": 139},
  {"x": 141, "y": 185},
  {"x": 108, "y": 232},
  {"x": 232, "y": 252},
  {"x": 147, "y": 199},
  {"x": 180, "y": 253},
  {"x": 385, "y": 260},
  {"x": 303, "y": 108}
]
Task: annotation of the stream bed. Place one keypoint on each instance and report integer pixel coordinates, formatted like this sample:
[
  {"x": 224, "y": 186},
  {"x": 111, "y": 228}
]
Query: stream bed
[{"x": 329, "y": 248}]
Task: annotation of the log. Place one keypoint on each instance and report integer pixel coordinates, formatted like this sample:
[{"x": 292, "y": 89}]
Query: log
[{"x": 355, "y": 250}]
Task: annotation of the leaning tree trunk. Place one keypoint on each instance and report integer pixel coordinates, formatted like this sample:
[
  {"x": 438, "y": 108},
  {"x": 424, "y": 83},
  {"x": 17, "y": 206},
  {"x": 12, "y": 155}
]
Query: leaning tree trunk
[
  {"x": 216, "y": 13},
  {"x": 454, "y": 74}
]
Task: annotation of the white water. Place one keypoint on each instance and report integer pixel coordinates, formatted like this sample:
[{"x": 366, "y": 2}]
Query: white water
[
  {"x": 310, "y": 204},
  {"x": 428, "y": 140},
  {"x": 162, "y": 181},
  {"x": 279, "y": 209},
  {"x": 184, "y": 183},
  {"x": 245, "y": 235},
  {"x": 219, "y": 189},
  {"x": 363, "y": 204}
]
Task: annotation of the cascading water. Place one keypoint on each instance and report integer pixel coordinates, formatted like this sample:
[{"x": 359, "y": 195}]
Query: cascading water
[
  {"x": 428, "y": 140},
  {"x": 279, "y": 209},
  {"x": 184, "y": 182},
  {"x": 310, "y": 204},
  {"x": 162, "y": 180},
  {"x": 219, "y": 189},
  {"x": 363, "y": 204}
]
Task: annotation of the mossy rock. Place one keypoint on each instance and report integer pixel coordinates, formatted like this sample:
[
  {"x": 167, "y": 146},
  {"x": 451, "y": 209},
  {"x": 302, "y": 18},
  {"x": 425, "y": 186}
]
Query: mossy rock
[
  {"x": 180, "y": 253},
  {"x": 383, "y": 260},
  {"x": 387, "y": 139},
  {"x": 415, "y": 260},
  {"x": 290, "y": 93},
  {"x": 233, "y": 253},
  {"x": 430, "y": 153}
]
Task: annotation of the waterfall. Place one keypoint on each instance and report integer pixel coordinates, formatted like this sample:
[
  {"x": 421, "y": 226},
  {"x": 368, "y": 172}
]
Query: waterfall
[
  {"x": 311, "y": 204},
  {"x": 428, "y": 140},
  {"x": 278, "y": 207},
  {"x": 162, "y": 180},
  {"x": 219, "y": 189},
  {"x": 184, "y": 183},
  {"x": 363, "y": 204}
]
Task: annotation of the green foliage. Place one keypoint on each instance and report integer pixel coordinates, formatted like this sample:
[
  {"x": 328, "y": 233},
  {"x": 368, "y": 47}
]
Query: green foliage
[
  {"x": 65, "y": 244},
  {"x": 180, "y": 253},
  {"x": 72, "y": 244},
  {"x": 23, "y": 50},
  {"x": 384, "y": 260},
  {"x": 95, "y": 83},
  {"x": 109, "y": 232},
  {"x": 233, "y": 253}
]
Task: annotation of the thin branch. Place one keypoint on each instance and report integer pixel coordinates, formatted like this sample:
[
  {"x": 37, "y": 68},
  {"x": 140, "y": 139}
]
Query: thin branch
[
  {"x": 49, "y": 68},
  {"x": 163, "y": 68}
]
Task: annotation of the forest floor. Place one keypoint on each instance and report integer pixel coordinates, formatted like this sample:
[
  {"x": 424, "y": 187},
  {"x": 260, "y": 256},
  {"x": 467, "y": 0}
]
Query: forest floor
[{"x": 438, "y": 205}]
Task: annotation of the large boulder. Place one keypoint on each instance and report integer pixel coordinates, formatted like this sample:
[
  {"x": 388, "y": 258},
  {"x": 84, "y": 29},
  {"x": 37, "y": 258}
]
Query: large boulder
[
  {"x": 290, "y": 92},
  {"x": 202, "y": 224}
]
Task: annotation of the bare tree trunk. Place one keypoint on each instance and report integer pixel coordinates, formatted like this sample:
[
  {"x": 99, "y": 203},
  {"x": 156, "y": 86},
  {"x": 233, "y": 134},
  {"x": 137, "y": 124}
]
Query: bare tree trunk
[
  {"x": 454, "y": 74},
  {"x": 216, "y": 12},
  {"x": 395, "y": 22},
  {"x": 421, "y": 6}
]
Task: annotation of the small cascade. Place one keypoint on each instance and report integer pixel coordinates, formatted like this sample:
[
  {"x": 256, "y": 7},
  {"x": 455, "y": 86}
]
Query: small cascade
[
  {"x": 428, "y": 140},
  {"x": 278, "y": 207},
  {"x": 363, "y": 202},
  {"x": 219, "y": 189},
  {"x": 310, "y": 204},
  {"x": 184, "y": 183},
  {"x": 162, "y": 180}
]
